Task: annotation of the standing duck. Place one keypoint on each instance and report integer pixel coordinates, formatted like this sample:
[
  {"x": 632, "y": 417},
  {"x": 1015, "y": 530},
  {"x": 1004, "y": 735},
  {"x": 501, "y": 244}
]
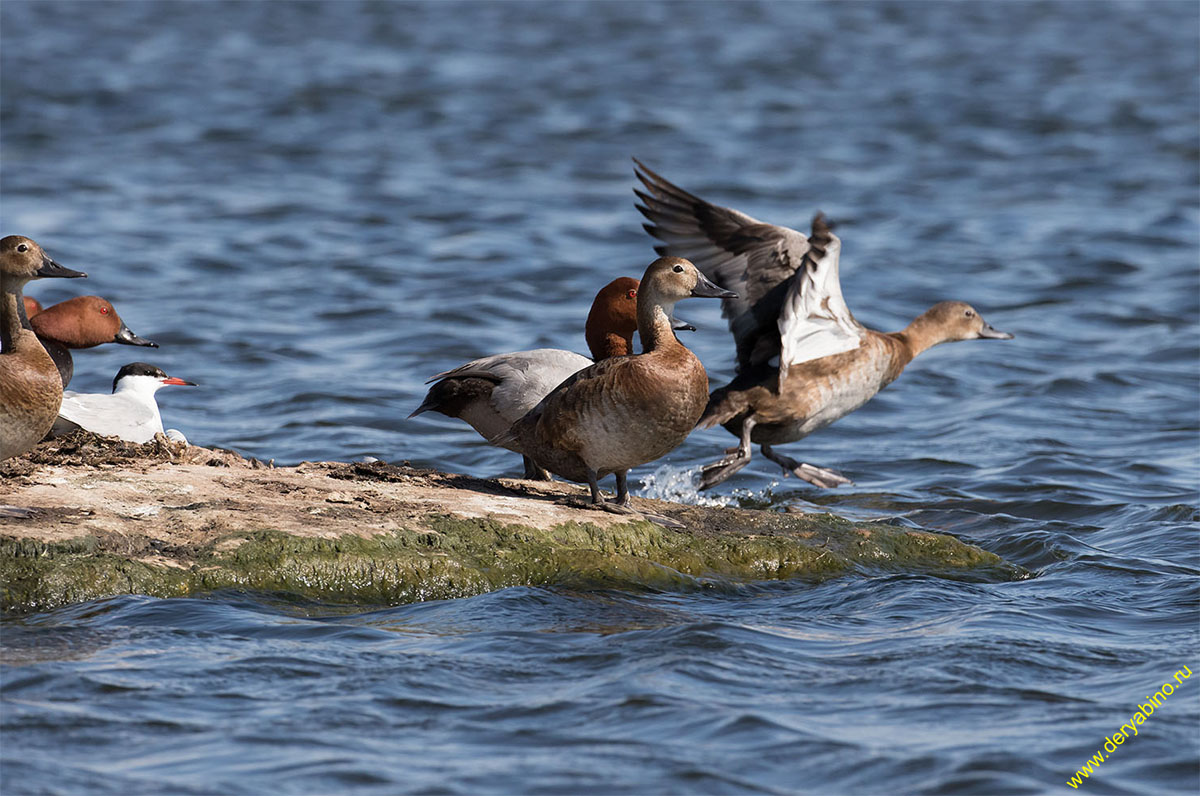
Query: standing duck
[
  {"x": 627, "y": 410},
  {"x": 803, "y": 361},
  {"x": 81, "y": 322},
  {"x": 494, "y": 392},
  {"x": 30, "y": 387},
  {"x": 130, "y": 412}
]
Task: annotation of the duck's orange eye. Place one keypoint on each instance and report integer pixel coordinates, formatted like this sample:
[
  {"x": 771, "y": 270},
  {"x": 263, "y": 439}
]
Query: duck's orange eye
[{"x": 631, "y": 294}]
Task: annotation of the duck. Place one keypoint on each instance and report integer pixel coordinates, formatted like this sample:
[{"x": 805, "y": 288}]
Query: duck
[
  {"x": 803, "y": 361},
  {"x": 30, "y": 388},
  {"x": 130, "y": 412},
  {"x": 624, "y": 411},
  {"x": 492, "y": 393},
  {"x": 81, "y": 322}
]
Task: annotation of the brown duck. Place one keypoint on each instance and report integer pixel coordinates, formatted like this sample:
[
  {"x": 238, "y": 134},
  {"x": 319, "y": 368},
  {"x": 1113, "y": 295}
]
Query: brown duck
[
  {"x": 492, "y": 393},
  {"x": 803, "y": 360},
  {"x": 30, "y": 387},
  {"x": 81, "y": 322},
  {"x": 627, "y": 410}
]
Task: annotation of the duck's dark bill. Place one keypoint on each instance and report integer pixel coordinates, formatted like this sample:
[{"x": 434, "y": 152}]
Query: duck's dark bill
[
  {"x": 50, "y": 268},
  {"x": 706, "y": 289},
  {"x": 126, "y": 336}
]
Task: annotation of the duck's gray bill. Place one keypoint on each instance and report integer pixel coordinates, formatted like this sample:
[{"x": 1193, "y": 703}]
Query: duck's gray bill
[
  {"x": 50, "y": 268},
  {"x": 994, "y": 334},
  {"x": 706, "y": 289},
  {"x": 126, "y": 336}
]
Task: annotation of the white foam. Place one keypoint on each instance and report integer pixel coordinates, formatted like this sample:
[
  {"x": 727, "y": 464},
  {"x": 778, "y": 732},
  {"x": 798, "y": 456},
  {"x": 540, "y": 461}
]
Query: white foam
[{"x": 679, "y": 485}]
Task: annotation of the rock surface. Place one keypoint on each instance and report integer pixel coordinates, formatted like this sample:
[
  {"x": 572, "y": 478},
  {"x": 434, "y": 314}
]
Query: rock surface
[{"x": 89, "y": 517}]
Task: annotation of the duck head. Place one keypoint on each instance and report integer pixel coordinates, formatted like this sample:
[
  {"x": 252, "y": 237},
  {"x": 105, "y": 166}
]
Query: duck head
[
  {"x": 671, "y": 279},
  {"x": 668, "y": 280},
  {"x": 613, "y": 319},
  {"x": 83, "y": 322},
  {"x": 949, "y": 321},
  {"x": 21, "y": 260}
]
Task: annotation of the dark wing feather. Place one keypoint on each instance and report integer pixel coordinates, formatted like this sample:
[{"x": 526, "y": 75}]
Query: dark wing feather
[{"x": 753, "y": 259}]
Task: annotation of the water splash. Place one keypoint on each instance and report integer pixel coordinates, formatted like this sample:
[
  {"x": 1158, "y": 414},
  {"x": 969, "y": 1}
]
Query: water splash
[{"x": 679, "y": 485}]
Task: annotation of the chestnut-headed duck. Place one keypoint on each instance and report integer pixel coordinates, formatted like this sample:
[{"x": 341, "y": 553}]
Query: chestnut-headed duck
[
  {"x": 492, "y": 393},
  {"x": 32, "y": 306},
  {"x": 30, "y": 389},
  {"x": 81, "y": 322},
  {"x": 626, "y": 410},
  {"x": 130, "y": 412},
  {"x": 803, "y": 361}
]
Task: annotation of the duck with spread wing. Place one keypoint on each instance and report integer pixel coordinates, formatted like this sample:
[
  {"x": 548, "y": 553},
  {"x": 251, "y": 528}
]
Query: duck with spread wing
[{"x": 803, "y": 361}]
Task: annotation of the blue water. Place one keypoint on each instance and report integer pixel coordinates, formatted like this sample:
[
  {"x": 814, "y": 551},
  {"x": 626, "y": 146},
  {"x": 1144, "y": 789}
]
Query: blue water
[{"x": 315, "y": 206}]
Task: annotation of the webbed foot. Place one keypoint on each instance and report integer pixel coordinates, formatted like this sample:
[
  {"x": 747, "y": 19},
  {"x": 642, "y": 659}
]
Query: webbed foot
[
  {"x": 820, "y": 476},
  {"x": 615, "y": 507},
  {"x": 624, "y": 508},
  {"x": 817, "y": 476},
  {"x": 576, "y": 502},
  {"x": 720, "y": 470},
  {"x": 666, "y": 522}
]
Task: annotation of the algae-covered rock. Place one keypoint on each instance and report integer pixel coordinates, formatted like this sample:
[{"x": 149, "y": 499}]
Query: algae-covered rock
[{"x": 97, "y": 519}]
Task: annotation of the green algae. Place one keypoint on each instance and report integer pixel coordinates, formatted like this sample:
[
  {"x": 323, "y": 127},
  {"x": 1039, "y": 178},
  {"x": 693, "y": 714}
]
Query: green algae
[{"x": 455, "y": 557}]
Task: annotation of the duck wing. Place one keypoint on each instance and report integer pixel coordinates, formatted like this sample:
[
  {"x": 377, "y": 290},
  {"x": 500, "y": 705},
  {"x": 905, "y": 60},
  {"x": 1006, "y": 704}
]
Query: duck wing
[
  {"x": 557, "y": 414},
  {"x": 814, "y": 320},
  {"x": 540, "y": 364},
  {"x": 754, "y": 259},
  {"x": 522, "y": 378}
]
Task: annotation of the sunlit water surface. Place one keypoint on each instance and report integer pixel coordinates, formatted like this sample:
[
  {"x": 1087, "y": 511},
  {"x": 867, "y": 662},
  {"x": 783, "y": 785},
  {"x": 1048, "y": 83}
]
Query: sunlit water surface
[{"x": 313, "y": 207}]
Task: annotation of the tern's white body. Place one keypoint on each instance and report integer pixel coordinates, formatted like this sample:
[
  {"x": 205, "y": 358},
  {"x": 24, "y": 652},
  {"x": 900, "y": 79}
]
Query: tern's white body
[{"x": 130, "y": 412}]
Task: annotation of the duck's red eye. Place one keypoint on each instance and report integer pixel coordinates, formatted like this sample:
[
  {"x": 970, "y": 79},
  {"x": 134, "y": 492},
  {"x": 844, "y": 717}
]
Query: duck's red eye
[
  {"x": 632, "y": 294},
  {"x": 104, "y": 310}
]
